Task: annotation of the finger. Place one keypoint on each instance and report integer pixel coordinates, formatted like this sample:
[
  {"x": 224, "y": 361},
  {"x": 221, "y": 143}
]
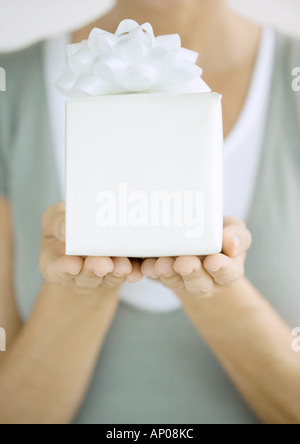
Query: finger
[
  {"x": 164, "y": 268},
  {"x": 122, "y": 266},
  {"x": 63, "y": 269},
  {"x": 53, "y": 222},
  {"x": 195, "y": 277},
  {"x": 236, "y": 240},
  {"x": 185, "y": 265},
  {"x": 234, "y": 221},
  {"x": 94, "y": 270},
  {"x": 148, "y": 268},
  {"x": 136, "y": 274},
  {"x": 223, "y": 269}
]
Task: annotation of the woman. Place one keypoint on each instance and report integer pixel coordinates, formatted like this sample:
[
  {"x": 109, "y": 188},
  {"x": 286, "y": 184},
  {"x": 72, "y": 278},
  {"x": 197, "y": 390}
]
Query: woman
[{"x": 62, "y": 365}]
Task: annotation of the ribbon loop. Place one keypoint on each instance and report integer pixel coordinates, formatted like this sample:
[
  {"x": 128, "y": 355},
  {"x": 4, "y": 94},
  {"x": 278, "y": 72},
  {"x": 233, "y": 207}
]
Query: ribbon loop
[{"x": 131, "y": 60}]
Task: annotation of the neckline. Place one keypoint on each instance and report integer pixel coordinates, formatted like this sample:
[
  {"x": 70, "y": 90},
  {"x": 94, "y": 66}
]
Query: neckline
[{"x": 267, "y": 46}]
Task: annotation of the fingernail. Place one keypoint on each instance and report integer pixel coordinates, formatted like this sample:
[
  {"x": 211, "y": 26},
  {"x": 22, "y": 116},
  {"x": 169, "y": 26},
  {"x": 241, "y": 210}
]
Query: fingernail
[
  {"x": 214, "y": 269},
  {"x": 236, "y": 241},
  {"x": 75, "y": 274},
  {"x": 118, "y": 275},
  {"x": 100, "y": 275},
  {"x": 167, "y": 275},
  {"x": 187, "y": 273}
]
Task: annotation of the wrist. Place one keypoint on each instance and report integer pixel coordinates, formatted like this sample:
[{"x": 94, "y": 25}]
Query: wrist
[
  {"x": 221, "y": 298},
  {"x": 93, "y": 300},
  {"x": 230, "y": 308}
]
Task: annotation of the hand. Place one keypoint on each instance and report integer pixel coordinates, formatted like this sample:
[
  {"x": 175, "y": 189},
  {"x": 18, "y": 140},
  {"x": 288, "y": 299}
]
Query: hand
[
  {"x": 196, "y": 276},
  {"x": 82, "y": 274}
]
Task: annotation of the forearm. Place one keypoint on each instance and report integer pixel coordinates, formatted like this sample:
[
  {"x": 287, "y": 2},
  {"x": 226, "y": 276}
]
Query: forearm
[
  {"x": 9, "y": 316},
  {"x": 47, "y": 370},
  {"x": 254, "y": 346}
]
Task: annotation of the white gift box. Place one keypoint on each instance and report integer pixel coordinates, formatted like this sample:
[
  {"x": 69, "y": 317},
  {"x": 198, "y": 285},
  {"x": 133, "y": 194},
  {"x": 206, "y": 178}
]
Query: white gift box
[{"x": 144, "y": 175}]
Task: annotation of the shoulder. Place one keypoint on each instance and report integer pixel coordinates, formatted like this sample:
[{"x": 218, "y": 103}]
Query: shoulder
[
  {"x": 24, "y": 74},
  {"x": 287, "y": 55},
  {"x": 11, "y": 60},
  {"x": 287, "y": 67},
  {"x": 21, "y": 69},
  {"x": 290, "y": 46}
]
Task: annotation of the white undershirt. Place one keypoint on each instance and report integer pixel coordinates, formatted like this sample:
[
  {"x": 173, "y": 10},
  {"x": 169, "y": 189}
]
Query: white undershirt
[{"x": 242, "y": 153}]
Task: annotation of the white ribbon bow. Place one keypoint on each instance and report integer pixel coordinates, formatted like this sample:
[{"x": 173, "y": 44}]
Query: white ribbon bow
[{"x": 131, "y": 60}]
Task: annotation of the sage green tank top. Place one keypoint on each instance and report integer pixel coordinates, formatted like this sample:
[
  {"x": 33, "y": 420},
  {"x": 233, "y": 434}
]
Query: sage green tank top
[{"x": 155, "y": 368}]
